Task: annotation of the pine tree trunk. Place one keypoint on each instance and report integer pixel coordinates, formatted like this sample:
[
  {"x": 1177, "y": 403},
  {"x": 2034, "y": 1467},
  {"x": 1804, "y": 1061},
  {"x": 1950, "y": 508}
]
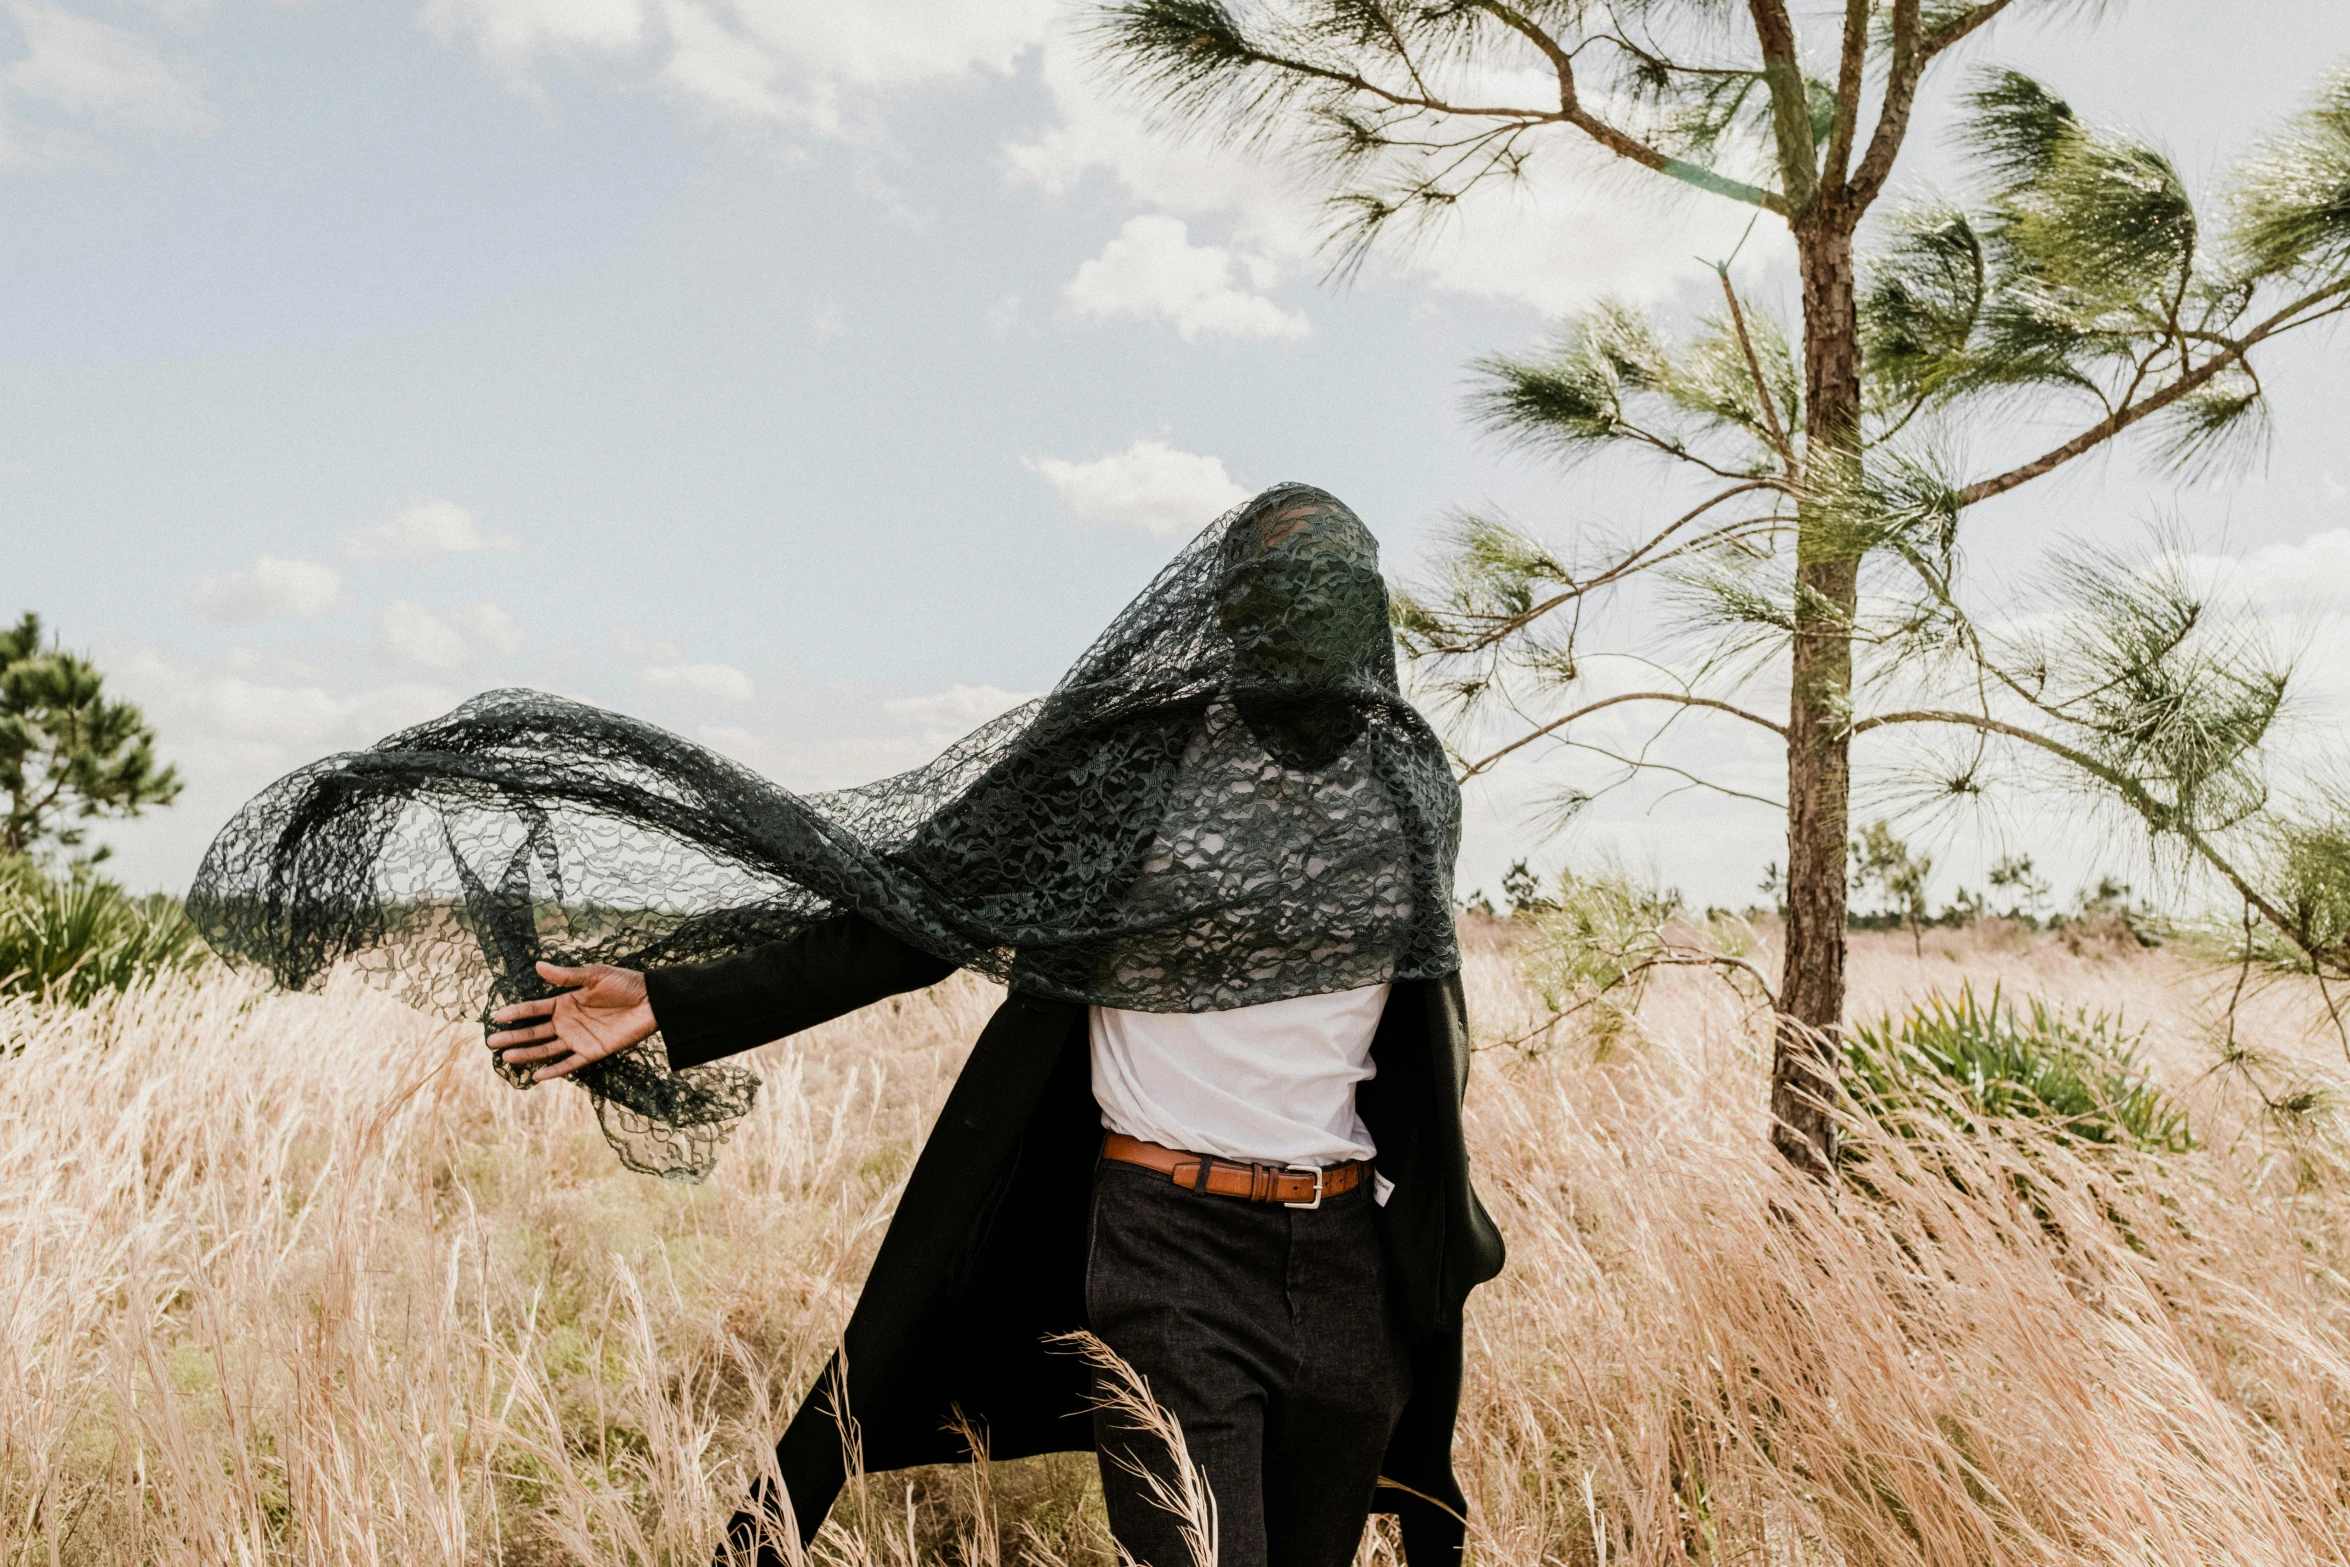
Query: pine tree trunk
[{"x": 1808, "y": 1048}]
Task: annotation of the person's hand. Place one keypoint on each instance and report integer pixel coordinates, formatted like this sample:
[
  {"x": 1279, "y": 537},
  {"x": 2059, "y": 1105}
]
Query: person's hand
[{"x": 602, "y": 1013}]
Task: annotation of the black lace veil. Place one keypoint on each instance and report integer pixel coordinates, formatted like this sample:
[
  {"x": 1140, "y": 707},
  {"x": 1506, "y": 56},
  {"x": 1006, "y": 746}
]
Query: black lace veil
[{"x": 1227, "y": 800}]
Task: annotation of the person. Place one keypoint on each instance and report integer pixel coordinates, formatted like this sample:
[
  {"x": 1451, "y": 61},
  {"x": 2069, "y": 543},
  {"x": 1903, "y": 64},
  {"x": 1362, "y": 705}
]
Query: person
[{"x": 1216, "y": 1119}]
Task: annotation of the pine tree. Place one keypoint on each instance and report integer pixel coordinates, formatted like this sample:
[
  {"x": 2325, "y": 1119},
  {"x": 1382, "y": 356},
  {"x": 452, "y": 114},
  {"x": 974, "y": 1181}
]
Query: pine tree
[
  {"x": 68, "y": 755},
  {"x": 1819, "y": 541}
]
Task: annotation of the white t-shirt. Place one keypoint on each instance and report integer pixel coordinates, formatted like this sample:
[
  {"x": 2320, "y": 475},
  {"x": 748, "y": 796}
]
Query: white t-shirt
[{"x": 1267, "y": 1084}]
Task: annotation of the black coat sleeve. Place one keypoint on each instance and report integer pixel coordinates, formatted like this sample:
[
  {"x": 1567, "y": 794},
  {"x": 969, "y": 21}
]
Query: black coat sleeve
[{"x": 708, "y": 1010}]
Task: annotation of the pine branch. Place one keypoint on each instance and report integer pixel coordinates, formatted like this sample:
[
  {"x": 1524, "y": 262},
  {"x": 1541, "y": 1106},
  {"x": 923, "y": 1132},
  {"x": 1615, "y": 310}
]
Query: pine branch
[
  {"x": 1901, "y": 89},
  {"x": 1851, "y": 78},
  {"x": 1790, "y": 102},
  {"x": 1645, "y": 558},
  {"x": 1697, "y": 957},
  {"x": 1641, "y": 764},
  {"x": 2159, "y": 817},
  {"x": 1683, "y": 699},
  {"x": 1664, "y": 66},
  {"x": 2130, "y": 412},
  {"x": 1622, "y": 144},
  {"x": 1633, "y": 975},
  {"x": 1155, "y": 30},
  {"x": 1674, "y": 449},
  {"x": 1762, "y": 389},
  {"x": 1959, "y": 27}
]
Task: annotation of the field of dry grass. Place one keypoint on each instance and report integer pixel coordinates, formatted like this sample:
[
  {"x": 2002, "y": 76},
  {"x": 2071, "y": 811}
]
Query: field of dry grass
[{"x": 296, "y": 1279}]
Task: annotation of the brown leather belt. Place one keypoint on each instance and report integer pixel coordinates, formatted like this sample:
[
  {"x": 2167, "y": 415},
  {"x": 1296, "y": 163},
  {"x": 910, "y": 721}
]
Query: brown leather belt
[{"x": 1292, "y": 1186}]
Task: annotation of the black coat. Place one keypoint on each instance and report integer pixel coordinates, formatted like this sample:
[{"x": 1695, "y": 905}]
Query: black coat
[{"x": 986, "y": 1257}]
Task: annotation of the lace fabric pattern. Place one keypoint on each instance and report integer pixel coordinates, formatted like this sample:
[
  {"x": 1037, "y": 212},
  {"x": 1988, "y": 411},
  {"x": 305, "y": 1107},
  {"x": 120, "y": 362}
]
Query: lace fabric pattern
[
  {"x": 1306, "y": 870},
  {"x": 1227, "y": 800}
]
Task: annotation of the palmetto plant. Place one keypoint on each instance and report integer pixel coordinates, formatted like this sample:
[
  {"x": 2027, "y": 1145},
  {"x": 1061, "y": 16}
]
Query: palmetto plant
[
  {"x": 1816, "y": 545},
  {"x": 72, "y": 937},
  {"x": 1966, "y": 1058}
]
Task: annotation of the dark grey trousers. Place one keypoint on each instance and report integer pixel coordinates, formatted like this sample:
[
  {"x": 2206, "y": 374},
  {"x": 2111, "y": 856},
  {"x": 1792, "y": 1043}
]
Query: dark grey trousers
[{"x": 1267, "y": 1332}]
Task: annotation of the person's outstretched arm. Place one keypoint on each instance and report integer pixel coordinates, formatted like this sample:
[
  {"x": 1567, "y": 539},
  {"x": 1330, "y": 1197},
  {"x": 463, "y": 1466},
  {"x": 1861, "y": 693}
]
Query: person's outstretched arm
[{"x": 707, "y": 1010}]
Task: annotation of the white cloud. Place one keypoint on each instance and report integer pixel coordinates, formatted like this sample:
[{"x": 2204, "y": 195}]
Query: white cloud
[
  {"x": 274, "y": 723},
  {"x": 511, "y": 28},
  {"x": 719, "y": 682},
  {"x": 965, "y": 707},
  {"x": 427, "y": 531},
  {"x": 269, "y": 589},
  {"x": 727, "y": 73},
  {"x": 885, "y": 43},
  {"x": 488, "y": 626},
  {"x": 2315, "y": 572},
  {"x": 1579, "y": 226},
  {"x": 254, "y": 718},
  {"x": 750, "y": 749},
  {"x": 795, "y": 63},
  {"x": 231, "y": 725},
  {"x": 1150, "y": 486},
  {"x": 2298, "y": 596},
  {"x": 102, "y": 75},
  {"x": 635, "y": 646},
  {"x": 826, "y": 323},
  {"x": 413, "y": 634},
  {"x": 671, "y": 670},
  {"x": 844, "y": 761},
  {"x": 1151, "y": 270},
  {"x": 1097, "y": 132},
  {"x": 820, "y": 764}
]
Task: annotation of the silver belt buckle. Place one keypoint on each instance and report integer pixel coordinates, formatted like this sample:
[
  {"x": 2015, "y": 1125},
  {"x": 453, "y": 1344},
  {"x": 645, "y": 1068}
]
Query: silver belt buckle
[{"x": 1316, "y": 1172}]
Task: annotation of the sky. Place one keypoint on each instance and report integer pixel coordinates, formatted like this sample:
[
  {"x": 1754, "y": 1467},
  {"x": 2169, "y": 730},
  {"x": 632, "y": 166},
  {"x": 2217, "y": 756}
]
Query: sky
[{"x": 818, "y": 380}]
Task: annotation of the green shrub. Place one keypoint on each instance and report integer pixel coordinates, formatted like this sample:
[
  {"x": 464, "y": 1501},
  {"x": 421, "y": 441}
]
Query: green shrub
[
  {"x": 1970, "y": 1061},
  {"x": 1590, "y": 950},
  {"x": 1600, "y": 933},
  {"x": 69, "y": 938}
]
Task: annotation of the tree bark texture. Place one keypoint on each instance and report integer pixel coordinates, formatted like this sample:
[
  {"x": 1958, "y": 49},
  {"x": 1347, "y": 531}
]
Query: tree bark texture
[{"x": 1808, "y": 1047}]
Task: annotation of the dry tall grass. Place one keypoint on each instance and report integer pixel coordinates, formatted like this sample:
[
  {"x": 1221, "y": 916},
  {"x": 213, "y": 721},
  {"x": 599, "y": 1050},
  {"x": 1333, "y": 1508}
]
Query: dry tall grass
[{"x": 293, "y": 1279}]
